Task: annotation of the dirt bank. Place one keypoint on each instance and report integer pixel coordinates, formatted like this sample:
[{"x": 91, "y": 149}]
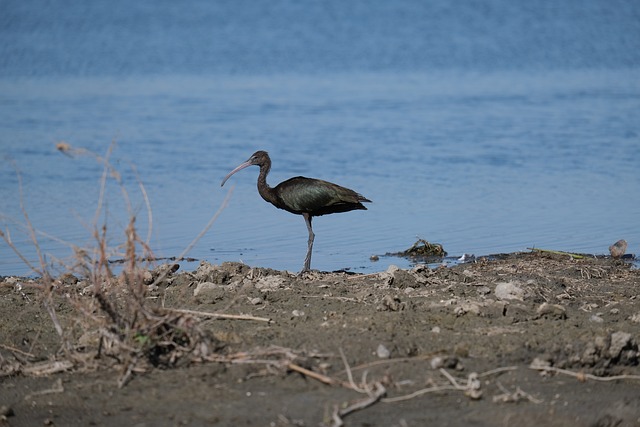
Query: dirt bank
[{"x": 528, "y": 340}]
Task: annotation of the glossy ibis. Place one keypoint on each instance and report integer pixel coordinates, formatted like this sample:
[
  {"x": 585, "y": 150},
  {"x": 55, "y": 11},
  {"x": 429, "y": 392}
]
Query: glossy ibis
[{"x": 302, "y": 196}]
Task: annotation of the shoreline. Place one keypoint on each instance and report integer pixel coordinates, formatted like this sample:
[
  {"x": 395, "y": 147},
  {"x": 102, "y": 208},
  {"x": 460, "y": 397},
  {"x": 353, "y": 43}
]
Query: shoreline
[{"x": 530, "y": 338}]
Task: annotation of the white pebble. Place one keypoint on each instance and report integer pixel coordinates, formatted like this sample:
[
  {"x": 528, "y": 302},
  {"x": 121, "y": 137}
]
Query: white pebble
[
  {"x": 383, "y": 352},
  {"x": 437, "y": 362}
]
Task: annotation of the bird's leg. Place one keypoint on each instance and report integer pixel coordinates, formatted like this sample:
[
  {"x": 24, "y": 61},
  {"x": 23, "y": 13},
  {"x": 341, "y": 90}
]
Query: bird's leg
[{"x": 307, "y": 259}]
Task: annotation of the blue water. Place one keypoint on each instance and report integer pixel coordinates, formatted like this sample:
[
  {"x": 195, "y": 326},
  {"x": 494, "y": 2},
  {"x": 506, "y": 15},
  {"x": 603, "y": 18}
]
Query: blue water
[{"x": 485, "y": 126}]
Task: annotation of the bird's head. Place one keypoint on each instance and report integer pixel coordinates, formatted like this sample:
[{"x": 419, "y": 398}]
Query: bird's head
[{"x": 259, "y": 158}]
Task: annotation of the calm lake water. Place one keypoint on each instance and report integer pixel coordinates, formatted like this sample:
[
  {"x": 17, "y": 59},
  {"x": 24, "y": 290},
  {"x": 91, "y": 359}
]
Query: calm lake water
[{"x": 485, "y": 126}]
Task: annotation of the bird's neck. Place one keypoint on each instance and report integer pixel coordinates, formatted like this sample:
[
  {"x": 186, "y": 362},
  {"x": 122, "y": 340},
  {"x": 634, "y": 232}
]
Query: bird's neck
[{"x": 265, "y": 191}]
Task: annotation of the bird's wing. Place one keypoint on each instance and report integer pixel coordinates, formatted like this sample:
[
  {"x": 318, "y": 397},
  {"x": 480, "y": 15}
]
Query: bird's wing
[
  {"x": 316, "y": 197},
  {"x": 302, "y": 194}
]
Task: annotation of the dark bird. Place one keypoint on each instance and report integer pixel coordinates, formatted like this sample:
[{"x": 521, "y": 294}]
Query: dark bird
[{"x": 302, "y": 196}]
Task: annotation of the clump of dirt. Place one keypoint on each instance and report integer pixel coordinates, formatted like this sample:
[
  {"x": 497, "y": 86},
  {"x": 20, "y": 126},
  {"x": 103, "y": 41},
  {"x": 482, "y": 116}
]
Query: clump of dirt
[
  {"x": 528, "y": 339},
  {"x": 421, "y": 250}
]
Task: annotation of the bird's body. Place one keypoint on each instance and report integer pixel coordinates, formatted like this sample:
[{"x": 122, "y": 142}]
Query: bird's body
[
  {"x": 303, "y": 196},
  {"x": 316, "y": 197}
]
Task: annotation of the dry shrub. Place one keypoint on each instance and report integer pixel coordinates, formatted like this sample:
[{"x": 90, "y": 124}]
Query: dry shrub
[
  {"x": 132, "y": 329},
  {"x": 116, "y": 324}
]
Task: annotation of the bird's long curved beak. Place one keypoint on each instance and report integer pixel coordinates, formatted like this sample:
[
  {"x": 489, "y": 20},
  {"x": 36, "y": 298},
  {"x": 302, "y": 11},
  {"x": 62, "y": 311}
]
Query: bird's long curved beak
[{"x": 240, "y": 167}]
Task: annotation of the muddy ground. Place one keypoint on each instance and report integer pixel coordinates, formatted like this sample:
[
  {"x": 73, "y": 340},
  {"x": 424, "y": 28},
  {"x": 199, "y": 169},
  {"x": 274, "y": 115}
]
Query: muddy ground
[{"x": 523, "y": 340}]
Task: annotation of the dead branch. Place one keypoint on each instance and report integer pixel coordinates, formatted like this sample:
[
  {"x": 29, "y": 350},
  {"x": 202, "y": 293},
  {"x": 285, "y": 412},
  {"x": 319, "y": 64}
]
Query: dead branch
[
  {"x": 219, "y": 315},
  {"x": 515, "y": 396},
  {"x": 581, "y": 376},
  {"x": 47, "y": 368},
  {"x": 316, "y": 376},
  {"x": 352, "y": 384},
  {"x": 374, "y": 396},
  {"x": 471, "y": 389},
  {"x": 57, "y": 388},
  {"x": 15, "y": 350}
]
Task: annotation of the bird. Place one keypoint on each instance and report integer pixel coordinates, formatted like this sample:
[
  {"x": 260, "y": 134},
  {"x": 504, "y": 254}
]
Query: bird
[{"x": 299, "y": 195}]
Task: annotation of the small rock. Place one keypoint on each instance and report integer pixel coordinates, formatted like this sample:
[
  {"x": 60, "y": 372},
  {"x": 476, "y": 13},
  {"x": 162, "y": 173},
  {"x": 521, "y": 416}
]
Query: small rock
[
  {"x": 207, "y": 292},
  {"x": 256, "y": 301},
  {"x": 618, "y": 249},
  {"x": 540, "y": 363},
  {"x": 147, "y": 277},
  {"x": 509, "y": 291},
  {"x": 635, "y": 318},
  {"x": 483, "y": 290},
  {"x": 555, "y": 311},
  {"x": 619, "y": 340},
  {"x": 374, "y": 258},
  {"x": 297, "y": 313},
  {"x": 437, "y": 362},
  {"x": 203, "y": 287},
  {"x": 465, "y": 307},
  {"x": 270, "y": 283},
  {"x": 448, "y": 362},
  {"x": 383, "y": 352},
  {"x": 596, "y": 319},
  {"x": 435, "y": 330}
]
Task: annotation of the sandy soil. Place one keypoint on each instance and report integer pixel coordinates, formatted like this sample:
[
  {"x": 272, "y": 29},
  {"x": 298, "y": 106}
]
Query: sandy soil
[{"x": 526, "y": 339}]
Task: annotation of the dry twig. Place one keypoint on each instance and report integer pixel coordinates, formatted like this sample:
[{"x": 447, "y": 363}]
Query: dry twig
[
  {"x": 581, "y": 376},
  {"x": 219, "y": 315},
  {"x": 373, "y": 397},
  {"x": 515, "y": 396}
]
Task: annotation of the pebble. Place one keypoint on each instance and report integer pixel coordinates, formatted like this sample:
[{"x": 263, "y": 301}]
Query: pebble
[
  {"x": 483, "y": 290},
  {"x": 619, "y": 340},
  {"x": 554, "y": 310},
  {"x": 618, "y": 248},
  {"x": 540, "y": 363},
  {"x": 203, "y": 287},
  {"x": 437, "y": 362},
  {"x": 509, "y": 291},
  {"x": 147, "y": 277},
  {"x": 383, "y": 352}
]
